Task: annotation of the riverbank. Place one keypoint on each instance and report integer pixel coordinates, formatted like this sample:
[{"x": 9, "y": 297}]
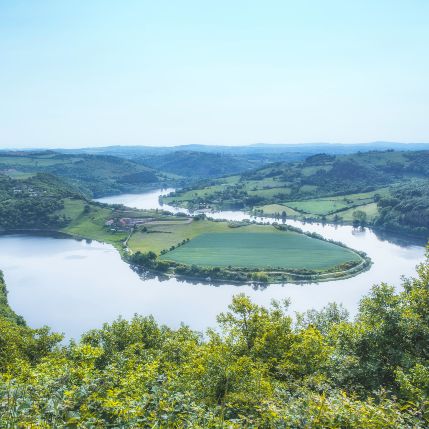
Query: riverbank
[{"x": 164, "y": 236}]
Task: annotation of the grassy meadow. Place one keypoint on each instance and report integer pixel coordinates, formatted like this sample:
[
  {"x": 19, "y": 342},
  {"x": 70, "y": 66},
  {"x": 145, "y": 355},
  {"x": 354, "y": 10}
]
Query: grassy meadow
[
  {"x": 161, "y": 235},
  {"x": 260, "y": 247}
]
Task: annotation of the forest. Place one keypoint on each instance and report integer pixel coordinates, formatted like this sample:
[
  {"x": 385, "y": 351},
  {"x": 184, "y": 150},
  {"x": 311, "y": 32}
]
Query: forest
[{"x": 258, "y": 368}]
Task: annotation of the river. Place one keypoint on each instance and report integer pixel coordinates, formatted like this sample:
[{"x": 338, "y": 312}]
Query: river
[{"x": 73, "y": 286}]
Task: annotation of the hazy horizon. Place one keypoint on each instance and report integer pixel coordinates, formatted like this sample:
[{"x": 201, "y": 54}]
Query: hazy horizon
[
  {"x": 370, "y": 143},
  {"x": 136, "y": 73}
]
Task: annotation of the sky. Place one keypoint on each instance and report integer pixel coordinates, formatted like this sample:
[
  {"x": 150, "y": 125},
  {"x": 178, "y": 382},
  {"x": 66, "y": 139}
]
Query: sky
[{"x": 161, "y": 73}]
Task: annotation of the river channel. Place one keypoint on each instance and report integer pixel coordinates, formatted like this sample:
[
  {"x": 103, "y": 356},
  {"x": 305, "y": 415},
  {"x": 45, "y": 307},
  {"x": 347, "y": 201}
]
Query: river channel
[{"x": 73, "y": 286}]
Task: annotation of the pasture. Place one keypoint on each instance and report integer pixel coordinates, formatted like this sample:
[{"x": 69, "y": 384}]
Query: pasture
[
  {"x": 161, "y": 235},
  {"x": 345, "y": 204},
  {"x": 265, "y": 248}
]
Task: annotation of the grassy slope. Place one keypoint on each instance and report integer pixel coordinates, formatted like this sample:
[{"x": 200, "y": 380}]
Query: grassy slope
[
  {"x": 370, "y": 209},
  {"x": 91, "y": 224},
  {"x": 331, "y": 205},
  {"x": 260, "y": 247}
]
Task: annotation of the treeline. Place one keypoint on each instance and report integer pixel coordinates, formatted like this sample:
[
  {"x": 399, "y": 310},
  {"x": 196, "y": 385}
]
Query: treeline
[{"x": 258, "y": 369}]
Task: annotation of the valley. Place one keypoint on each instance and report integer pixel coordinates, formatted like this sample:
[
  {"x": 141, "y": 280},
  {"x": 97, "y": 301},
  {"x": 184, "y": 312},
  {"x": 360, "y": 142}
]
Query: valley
[
  {"x": 81, "y": 280},
  {"x": 48, "y": 278},
  {"x": 214, "y": 215}
]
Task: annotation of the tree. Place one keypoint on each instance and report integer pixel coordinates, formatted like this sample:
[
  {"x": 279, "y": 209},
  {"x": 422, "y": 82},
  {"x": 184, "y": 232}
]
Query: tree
[{"x": 359, "y": 218}]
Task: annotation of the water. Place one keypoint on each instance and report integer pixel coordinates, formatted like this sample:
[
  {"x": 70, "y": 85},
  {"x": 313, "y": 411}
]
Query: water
[
  {"x": 74, "y": 286},
  {"x": 146, "y": 200}
]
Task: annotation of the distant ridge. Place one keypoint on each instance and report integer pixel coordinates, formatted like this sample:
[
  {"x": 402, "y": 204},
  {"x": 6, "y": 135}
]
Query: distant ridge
[{"x": 268, "y": 148}]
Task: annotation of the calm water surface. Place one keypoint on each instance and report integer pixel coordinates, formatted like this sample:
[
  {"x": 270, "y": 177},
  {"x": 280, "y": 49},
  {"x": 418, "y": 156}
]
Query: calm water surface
[{"x": 74, "y": 286}]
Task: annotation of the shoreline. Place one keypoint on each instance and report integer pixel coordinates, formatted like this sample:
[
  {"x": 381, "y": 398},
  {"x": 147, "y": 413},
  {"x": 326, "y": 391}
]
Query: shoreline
[
  {"x": 287, "y": 277},
  {"x": 395, "y": 235}
]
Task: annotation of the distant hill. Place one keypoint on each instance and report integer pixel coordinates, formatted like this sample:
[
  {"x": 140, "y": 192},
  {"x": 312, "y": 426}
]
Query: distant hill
[
  {"x": 201, "y": 164},
  {"x": 388, "y": 189},
  {"x": 96, "y": 175},
  {"x": 266, "y": 149},
  {"x": 104, "y": 173}
]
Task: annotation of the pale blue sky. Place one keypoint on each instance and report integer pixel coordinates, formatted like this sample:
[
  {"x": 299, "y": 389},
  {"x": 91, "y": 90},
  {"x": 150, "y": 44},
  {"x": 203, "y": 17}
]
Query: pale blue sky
[{"x": 94, "y": 73}]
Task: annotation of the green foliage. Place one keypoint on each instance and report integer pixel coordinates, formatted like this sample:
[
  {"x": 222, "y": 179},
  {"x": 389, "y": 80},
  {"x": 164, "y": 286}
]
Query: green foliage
[
  {"x": 45, "y": 203},
  {"x": 34, "y": 203},
  {"x": 5, "y": 311},
  {"x": 258, "y": 369},
  {"x": 20, "y": 345},
  {"x": 147, "y": 259},
  {"x": 359, "y": 218},
  {"x": 406, "y": 209}
]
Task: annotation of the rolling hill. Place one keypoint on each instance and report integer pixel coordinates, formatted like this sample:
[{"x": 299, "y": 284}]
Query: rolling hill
[
  {"x": 360, "y": 188},
  {"x": 96, "y": 175}
]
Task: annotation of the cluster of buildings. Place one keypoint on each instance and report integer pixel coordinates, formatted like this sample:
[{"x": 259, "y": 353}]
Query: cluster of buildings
[
  {"x": 29, "y": 191},
  {"x": 125, "y": 223}
]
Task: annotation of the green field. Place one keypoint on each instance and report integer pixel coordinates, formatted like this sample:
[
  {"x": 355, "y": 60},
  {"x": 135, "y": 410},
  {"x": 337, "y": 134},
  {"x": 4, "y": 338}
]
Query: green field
[
  {"x": 318, "y": 206},
  {"x": 370, "y": 209},
  {"x": 267, "y": 249},
  {"x": 274, "y": 209},
  {"x": 344, "y": 205},
  {"x": 161, "y": 235}
]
